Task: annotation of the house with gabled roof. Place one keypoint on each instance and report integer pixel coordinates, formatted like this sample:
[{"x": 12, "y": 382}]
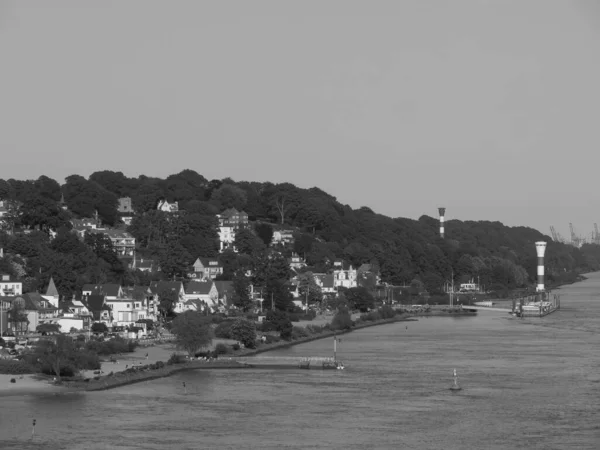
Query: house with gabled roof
[
  {"x": 98, "y": 308},
  {"x": 205, "y": 291},
  {"x": 38, "y": 311},
  {"x": 233, "y": 218},
  {"x": 109, "y": 290},
  {"x": 344, "y": 274},
  {"x": 326, "y": 282},
  {"x": 206, "y": 269}
]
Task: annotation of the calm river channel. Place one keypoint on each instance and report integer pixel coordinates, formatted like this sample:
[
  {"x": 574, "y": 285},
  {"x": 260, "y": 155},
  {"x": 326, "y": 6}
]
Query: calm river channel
[{"x": 527, "y": 383}]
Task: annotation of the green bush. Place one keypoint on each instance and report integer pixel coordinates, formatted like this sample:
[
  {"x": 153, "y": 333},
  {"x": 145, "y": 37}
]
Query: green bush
[
  {"x": 223, "y": 330},
  {"x": 235, "y": 346},
  {"x": 271, "y": 339},
  {"x": 387, "y": 312},
  {"x": 221, "y": 349},
  {"x": 315, "y": 329},
  {"x": 370, "y": 317},
  {"x": 342, "y": 320},
  {"x": 15, "y": 367},
  {"x": 111, "y": 347},
  {"x": 244, "y": 331},
  {"x": 176, "y": 359},
  {"x": 282, "y": 323},
  {"x": 299, "y": 333}
]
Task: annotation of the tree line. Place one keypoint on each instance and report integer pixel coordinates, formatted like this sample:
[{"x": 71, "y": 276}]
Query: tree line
[{"x": 402, "y": 250}]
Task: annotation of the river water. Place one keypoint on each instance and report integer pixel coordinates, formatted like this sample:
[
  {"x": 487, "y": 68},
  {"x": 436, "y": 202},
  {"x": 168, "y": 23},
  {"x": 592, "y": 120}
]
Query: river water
[{"x": 527, "y": 383}]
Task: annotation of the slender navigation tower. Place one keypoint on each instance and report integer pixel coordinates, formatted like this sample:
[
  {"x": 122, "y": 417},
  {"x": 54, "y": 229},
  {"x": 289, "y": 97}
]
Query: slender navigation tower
[
  {"x": 442, "y": 211},
  {"x": 540, "y": 248}
]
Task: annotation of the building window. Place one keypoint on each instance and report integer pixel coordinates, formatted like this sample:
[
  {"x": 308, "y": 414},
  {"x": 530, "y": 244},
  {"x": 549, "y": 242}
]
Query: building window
[
  {"x": 127, "y": 305},
  {"x": 137, "y": 305}
]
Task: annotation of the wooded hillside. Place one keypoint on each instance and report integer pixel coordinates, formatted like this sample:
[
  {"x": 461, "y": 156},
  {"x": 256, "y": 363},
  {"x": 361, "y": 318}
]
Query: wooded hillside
[{"x": 324, "y": 229}]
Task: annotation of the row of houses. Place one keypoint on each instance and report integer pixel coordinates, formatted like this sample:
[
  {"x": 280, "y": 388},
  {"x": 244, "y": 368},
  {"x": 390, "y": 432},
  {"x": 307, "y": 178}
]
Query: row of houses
[{"x": 111, "y": 304}]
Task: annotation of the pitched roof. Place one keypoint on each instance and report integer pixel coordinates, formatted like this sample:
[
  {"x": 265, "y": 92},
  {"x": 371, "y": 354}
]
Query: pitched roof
[
  {"x": 95, "y": 304},
  {"x": 224, "y": 288},
  {"x": 111, "y": 289},
  {"x": 206, "y": 262},
  {"x": 35, "y": 302},
  {"x": 52, "y": 291},
  {"x": 327, "y": 280},
  {"x": 199, "y": 288},
  {"x": 157, "y": 286},
  {"x": 137, "y": 292}
]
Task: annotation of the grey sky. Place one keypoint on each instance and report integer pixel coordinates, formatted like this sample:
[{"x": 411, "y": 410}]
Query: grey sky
[{"x": 487, "y": 107}]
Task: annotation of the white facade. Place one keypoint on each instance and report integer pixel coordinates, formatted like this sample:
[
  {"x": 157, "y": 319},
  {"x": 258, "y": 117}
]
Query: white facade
[
  {"x": 344, "y": 275},
  {"x": 9, "y": 286},
  {"x": 127, "y": 311},
  {"x": 226, "y": 238}
]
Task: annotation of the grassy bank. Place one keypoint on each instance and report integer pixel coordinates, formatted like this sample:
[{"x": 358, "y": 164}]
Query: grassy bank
[{"x": 146, "y": 373}]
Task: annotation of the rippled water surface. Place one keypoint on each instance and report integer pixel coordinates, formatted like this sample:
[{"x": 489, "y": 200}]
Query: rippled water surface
[{"x": 531, "y": 384}]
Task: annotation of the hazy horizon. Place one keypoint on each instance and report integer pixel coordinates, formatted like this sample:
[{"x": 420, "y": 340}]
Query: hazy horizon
[{"x": 485, "y": 107}]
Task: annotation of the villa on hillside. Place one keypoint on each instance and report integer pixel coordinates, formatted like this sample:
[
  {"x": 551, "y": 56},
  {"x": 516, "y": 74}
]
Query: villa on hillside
[
  {"x": 344, "y": 274},
  {"x": 206, "y": 269}
]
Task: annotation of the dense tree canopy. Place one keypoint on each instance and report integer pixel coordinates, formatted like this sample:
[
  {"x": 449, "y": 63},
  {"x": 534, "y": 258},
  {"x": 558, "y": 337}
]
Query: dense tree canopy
[{"x": 324, "y": 230}]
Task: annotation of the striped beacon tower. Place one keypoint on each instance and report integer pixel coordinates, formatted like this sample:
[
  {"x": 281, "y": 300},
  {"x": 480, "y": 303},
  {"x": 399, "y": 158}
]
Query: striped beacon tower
[
  {"x": 540, "y": 248},
  {"x": 442, "y": 211}
]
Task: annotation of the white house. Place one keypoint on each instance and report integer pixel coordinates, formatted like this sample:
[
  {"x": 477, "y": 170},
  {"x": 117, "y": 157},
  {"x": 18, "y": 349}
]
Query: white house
[
  {"x": 344, "y": 274},
  {"x": 206, "y": 269},
  {"x": 205, "y": 291},
  {"x": 10, "y": 286},
  {"x": 127, "y": 311},
  {"x": 226, "y": 238}
]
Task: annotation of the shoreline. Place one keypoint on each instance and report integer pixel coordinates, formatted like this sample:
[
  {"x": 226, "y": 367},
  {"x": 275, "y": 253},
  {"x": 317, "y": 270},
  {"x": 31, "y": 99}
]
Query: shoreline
[
  {"x": 40, "y": 384},
  {"x": 123, "y": 379}
]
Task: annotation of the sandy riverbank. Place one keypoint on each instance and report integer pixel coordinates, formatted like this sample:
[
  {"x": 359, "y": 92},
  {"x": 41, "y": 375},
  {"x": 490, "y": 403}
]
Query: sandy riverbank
[{"x": 26, "y": 384}]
